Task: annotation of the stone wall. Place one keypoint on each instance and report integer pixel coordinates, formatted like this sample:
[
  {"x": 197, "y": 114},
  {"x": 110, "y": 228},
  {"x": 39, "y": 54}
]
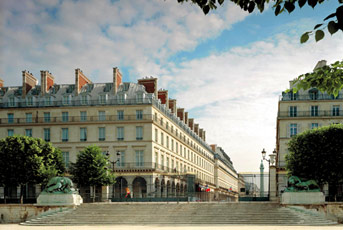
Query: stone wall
[{"x": 16, "y": 213}]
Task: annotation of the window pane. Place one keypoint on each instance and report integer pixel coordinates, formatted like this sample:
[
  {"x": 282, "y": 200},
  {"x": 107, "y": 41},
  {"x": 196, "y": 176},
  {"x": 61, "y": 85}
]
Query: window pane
[
  {"x": 102, "y": 116},
  {"x": 65, "y": 116},
  {"x": 28, "y": 132},
  {"x": 139, "y": 114},
  {"x": 66, "y": 158},
  {"x": 47, "y": 134},
  {"x": 10, "y": 132},
  {"x": 83, "y": 134},
  {"x": 120, "y": 133},
  {"x": 139, "y": 157},
  {"x": 83, "y": 116},
  {"x": 101, "y": 133},
  {"x": 139, "y": 133},
  {"x": 120, "y": 114},
  {"x": 65, "y": 135},
  {"x": 29, "y": 117},
  {"x": 10, "y": 117},
  {"x": 46, "y": 117}
]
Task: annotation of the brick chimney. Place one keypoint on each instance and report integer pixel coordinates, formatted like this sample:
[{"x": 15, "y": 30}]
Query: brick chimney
[
  {"x": 117, "y": 79},
  {"x": 201, "y": 133},
  {"x": 1, "y": 83},
  {"x": 196, "y": 128},
  {"x": 47, "y": 81},
  {"x": 80, "y": 80},
  {"x": 150, "y": 85},
  {"x": 186, "y": 118},
  {"x": 172, "y": 105},
  {"x": 213, "y": 147},
  {"x": 163, "y": 96},
  {"x": 29, "y": 81},
  {"x": 191, "y": 123},
  {"x": 181, "y": 114}
]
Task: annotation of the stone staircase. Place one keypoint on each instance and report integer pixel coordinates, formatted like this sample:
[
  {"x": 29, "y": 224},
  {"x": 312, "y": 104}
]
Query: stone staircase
[{"x": 180, "y": 214}]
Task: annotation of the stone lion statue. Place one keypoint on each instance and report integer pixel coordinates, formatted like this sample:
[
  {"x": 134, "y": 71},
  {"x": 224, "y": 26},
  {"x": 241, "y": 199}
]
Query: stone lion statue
[
  {"x": 296, "y": 185},
  {"x": 60, "y": 185}
]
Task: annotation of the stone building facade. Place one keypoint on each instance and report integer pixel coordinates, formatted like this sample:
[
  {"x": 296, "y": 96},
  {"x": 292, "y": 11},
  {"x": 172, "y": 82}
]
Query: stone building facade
[
  {"x": 306, "y": 109},
  {"x": 157, "y": 144}
]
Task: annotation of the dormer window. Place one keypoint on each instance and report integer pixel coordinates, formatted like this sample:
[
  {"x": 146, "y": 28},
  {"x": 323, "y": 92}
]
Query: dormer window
[
  {"x": 103, "y": 99},
  {"x": 140, "y": 97},
  {"x": 121, "y": 98},
  {"x": 47, "y": 101},
  {"x": 29, "y": 101},
  {"x": 84, "y": 100},
  {"x": 11, "y": 102},
  {"x": 66, "y": 100},
  {"x": 314, "y": 94}
]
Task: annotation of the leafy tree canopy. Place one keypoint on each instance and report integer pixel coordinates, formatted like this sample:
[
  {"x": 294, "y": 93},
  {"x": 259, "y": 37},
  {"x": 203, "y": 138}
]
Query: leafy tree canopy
[
  {"x": 91, "y": 168},
  {"x": 28, "y": 160},
  {"x": 332, "y": 22},
  {"x": 317, "y": 154},
  {"x": 328, "y": 78}
]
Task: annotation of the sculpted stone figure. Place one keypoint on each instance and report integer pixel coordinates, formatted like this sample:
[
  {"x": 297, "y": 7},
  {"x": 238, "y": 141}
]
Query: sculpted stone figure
[
  {"x": 296, "y": 185},
  {"x": 60, "y": 185}
]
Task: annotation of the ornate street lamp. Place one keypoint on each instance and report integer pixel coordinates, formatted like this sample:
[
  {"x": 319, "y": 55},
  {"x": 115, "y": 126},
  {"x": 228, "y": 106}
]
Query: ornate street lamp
[
  {"x": 271, "y": 162},
  {"x": 113, "y": 163}
]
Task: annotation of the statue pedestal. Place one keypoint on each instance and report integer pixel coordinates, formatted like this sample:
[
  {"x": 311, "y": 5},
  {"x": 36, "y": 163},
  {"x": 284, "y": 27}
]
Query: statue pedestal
[
  {"x": 53, "y": 199},
  {"x": 302, "y": 198}
]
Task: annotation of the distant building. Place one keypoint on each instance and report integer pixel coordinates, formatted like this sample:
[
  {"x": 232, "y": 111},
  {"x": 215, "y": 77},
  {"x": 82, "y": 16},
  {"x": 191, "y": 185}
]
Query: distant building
[
  {"x": 297, "y": 112},
  {"x": 157, "y": 144}
]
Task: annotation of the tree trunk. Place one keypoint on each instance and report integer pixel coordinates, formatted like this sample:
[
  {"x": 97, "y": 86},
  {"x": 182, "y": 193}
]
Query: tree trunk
[
  {"x": 93, "y": 193},
  {"x": 21, "y": 194},
  {"x": 5, "y": 194}
]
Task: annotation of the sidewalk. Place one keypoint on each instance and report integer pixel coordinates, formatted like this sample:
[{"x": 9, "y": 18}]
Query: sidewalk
[{"x": 202, "y": 227}]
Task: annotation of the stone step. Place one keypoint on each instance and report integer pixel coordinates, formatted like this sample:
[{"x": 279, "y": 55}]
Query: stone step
[{"x": 180, "y": 214}]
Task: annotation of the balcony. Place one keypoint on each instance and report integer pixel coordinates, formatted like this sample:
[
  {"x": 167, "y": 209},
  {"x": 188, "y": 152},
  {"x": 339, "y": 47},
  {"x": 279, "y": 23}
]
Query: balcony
[
  {"x": 145, "y": 166},
  {"x": 74, "y": 102},
  {"x": 74, "y": 119},
  {"x": 320, "y": 113},
  {"x": 309, "y": 97}
]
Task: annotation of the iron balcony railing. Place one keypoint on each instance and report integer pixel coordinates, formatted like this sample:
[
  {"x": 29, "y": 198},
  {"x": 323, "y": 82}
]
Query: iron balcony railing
[
  {"x": 320, "y": 113},
  {"x": 120, "y": 166},
  {"x": 309, "y": 97},
  {"x": 71, "y": 119},
  {"x": 74, "y": 102}
]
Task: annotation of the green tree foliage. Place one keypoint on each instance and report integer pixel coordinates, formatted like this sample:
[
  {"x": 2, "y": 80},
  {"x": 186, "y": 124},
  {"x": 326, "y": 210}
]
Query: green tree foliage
[
  {"x": 328, "y": 78},
  {"x": 91, "y": 168},
  {"x": 332, "y": 22},
  {"x": 28, "y": 160},
  {"x": 317, "y": 154}
]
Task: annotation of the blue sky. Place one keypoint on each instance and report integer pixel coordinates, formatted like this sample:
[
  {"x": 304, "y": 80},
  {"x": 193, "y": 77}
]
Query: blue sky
[{"x": 227, "y": 69}]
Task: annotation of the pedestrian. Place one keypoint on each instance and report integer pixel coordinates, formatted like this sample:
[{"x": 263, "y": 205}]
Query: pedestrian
[{"x": 128, "y": 192}]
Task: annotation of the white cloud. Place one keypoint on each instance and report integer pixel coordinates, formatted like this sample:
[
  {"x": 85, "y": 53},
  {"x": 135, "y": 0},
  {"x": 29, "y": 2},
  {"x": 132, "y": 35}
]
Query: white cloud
[
  {"x": 235, "y": 94},
  {"x": 61, "y": 35}
]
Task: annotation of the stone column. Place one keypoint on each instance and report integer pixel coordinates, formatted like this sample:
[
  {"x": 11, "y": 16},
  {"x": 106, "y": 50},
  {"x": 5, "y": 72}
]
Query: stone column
[
  {"x": 272, "y": 183},
  {"x": 150, "y": 187},
  {"x": 105, "y": 191}
]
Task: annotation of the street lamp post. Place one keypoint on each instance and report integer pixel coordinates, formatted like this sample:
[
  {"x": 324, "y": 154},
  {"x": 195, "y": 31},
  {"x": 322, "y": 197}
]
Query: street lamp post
[
  {"x": 113, "y": 163},
  {"x": 270, "y": 161}
]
